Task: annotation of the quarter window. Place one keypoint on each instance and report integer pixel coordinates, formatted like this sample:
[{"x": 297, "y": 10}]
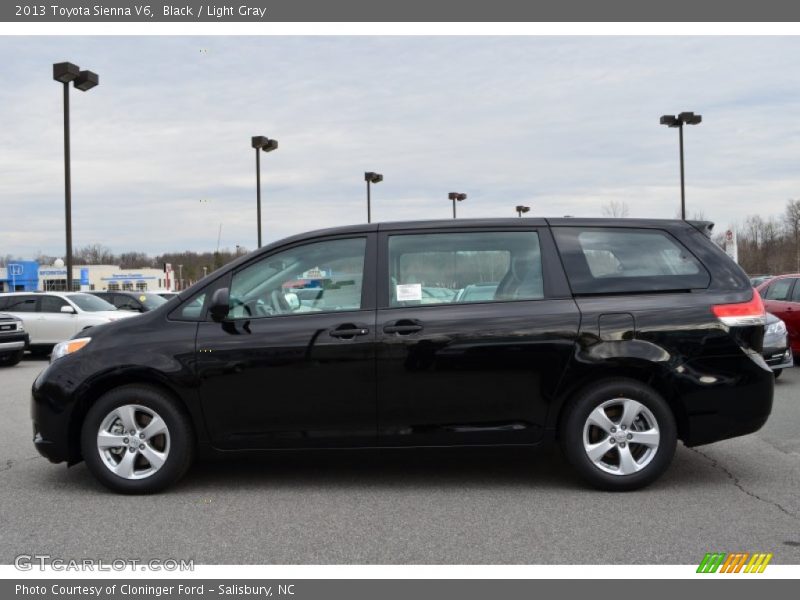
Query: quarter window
[
  {"x": 446, "y": 268},
  {"x": 318, "y": 277},
  {"x": 620, "y": 260}
]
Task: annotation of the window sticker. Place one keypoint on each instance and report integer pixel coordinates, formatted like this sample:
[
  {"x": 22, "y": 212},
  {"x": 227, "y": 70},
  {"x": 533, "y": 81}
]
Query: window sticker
[{"x": 408, "y": 291}]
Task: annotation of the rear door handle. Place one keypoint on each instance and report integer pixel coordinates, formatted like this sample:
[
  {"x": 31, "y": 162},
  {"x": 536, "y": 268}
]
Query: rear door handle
[
  {"x": 403, "y": 327},
  {"x": 348, "y": 331}
]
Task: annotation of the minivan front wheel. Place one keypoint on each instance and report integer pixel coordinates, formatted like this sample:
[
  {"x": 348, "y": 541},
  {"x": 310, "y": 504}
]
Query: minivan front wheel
[
  {"x": 135, "y": 440},
  {"x": 619, "y": 434}
]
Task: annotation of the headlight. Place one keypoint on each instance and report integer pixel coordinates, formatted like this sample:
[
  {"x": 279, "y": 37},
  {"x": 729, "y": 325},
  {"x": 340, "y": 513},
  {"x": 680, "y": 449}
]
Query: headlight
[
  {"x": 776, "y": 328},
  {"x": 68, "y": 347},
  {"x": 20, "y": 326}
]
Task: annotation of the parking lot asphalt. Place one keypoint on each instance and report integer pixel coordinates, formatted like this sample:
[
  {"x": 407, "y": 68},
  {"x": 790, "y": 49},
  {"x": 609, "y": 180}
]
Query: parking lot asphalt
[{"x": 477, "y": 506}]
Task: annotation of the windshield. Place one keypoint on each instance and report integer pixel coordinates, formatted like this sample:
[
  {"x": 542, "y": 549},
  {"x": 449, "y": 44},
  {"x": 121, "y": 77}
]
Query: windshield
[
  {"x": 90, "y": 303},
  {"x": 151, "y": 301}
]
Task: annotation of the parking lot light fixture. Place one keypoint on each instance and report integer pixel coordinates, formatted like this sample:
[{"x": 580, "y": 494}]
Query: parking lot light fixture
[
  {"x": 64, "y": 73},
  {"x": 522, "y": 209},
  {"x": 86, "y": 80},
  {"x": 260, "y": 143},
  {"x": 684, "y": 118},
  {"x": 456, "y": 197},
  {"x": 371, "y": 177}
]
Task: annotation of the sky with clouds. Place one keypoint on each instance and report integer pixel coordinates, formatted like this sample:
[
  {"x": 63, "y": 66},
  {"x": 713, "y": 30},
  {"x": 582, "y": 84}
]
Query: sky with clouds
[{"x": 161, "y": 149}]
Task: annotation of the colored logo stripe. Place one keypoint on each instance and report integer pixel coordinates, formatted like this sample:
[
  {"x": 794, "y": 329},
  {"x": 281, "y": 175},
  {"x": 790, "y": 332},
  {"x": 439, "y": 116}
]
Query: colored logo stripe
[{"x": 734, "y": 562}]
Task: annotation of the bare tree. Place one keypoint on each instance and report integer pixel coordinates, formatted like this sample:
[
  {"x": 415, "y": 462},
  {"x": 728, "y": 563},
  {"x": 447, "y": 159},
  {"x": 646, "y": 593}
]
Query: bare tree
[
  {"x": 615, "y": 208},
  {"x": 792, "y": 219},
  {"x": 94, "y": 254}
]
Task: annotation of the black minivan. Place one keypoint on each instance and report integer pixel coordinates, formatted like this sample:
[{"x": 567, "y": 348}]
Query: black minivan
[{"x": 616, "y": 337}]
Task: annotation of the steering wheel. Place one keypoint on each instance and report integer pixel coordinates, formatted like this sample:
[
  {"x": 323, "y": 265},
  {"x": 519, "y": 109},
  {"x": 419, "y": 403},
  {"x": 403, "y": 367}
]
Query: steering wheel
[
  {"x": 279, "y": 303},
  {"x": 262, "y": 310}
]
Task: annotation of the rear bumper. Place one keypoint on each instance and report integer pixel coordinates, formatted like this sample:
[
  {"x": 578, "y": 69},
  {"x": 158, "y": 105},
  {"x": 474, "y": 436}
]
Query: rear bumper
[{"x": 724, "y": 397}]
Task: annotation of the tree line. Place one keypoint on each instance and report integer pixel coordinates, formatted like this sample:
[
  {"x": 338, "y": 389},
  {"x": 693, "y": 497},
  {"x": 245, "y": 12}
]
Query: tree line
[
  {"x": 192, "y": 269},
  {"x": 771, "y": 244},
  {"x": 767, "y": 244}
]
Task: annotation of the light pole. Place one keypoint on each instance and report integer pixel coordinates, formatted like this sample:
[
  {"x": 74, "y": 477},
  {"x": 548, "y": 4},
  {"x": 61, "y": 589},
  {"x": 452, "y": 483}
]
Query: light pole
[
  {"x": 456, "y": 197},
  {"x": 370, "y": 177},
  {"x": 260, "y": 142},
  {"x": 65, "y": 73},
  {"x": 522, "y": 209},
  {"x": 684, "y": 118}
]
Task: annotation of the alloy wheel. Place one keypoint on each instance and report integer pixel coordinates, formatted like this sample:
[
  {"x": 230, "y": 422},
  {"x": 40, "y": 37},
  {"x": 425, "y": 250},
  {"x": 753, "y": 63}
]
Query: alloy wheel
[
  {"x": 621, "y": 436},
  {"x": 133, "y": 441}
]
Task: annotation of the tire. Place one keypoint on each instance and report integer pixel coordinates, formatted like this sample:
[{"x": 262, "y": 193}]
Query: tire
[
  {"x": 40, "y": 351},
  {"x": 643, "y": 463},
  {"x": 133, "y": 408},
  {"x": 12, "y": 358},
  {"x": 777, "y": 372}
]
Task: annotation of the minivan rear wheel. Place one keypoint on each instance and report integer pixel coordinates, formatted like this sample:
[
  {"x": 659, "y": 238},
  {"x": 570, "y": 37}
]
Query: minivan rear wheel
[
  {"x": 135, "y": 440},
  {"x": 619, "y": 434}
]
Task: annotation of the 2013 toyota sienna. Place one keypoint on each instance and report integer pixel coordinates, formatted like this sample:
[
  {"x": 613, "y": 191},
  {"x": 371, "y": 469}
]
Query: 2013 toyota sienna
[{"x": 614, "y": 337}]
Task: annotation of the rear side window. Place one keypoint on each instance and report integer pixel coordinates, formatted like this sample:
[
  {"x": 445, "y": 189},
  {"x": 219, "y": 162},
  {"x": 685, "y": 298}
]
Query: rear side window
[
  {"x": 446, "y": 268},
  {"x": 20, "y": 304},
  {"x": 779, "y": 290},
  {"x": 623, "y": 260}
]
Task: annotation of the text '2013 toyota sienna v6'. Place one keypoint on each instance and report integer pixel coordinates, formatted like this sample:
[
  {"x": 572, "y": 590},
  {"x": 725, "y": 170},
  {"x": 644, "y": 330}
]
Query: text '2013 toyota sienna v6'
[{"x": 614, "y": 337}]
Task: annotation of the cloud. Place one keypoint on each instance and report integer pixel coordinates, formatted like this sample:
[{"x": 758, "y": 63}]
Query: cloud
[{"x": 563, "y": 124}]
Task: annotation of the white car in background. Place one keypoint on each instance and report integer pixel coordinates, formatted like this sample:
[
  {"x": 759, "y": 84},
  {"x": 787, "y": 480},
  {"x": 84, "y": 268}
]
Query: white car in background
[{"x": 52, "y": 317}]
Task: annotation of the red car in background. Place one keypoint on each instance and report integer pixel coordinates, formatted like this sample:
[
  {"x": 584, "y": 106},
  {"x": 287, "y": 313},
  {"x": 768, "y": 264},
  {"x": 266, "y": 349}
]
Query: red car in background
[{"x": 781, "y": 296}]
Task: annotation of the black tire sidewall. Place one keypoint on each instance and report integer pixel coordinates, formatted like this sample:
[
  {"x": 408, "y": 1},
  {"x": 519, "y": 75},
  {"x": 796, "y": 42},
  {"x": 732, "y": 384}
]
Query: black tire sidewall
[
  {"x": 180, "y": 431},
  {"x": 586, "y": 402},
  {"x": 11, "y": 358}
]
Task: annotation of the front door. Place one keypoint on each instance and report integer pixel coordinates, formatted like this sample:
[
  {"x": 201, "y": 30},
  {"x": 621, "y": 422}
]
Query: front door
[
  {"x": 54, "y": 326},
  {"x": 474, "y": 335},
  {"x": 293, "y": 365}
]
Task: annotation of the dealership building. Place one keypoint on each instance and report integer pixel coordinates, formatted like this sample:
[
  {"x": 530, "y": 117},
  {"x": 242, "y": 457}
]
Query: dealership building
[{"x": 29, "y": 276}]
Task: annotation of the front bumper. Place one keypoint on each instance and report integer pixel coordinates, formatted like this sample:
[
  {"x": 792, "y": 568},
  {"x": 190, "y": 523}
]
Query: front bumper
[
  {"x": 14, "y": 342},
  {"x": 778, "y": 358},
  {"x": 51, "y": 413}
]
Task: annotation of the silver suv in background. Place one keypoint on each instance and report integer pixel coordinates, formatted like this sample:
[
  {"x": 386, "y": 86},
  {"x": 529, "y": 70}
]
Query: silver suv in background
[{"x": 52, "y": 317}]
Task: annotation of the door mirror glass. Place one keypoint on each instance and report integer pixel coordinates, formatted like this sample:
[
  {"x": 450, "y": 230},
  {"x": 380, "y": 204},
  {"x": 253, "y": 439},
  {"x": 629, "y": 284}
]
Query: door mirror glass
[
  {"x": 218, "y": 309},
  {"x": 68, "y": 310}
]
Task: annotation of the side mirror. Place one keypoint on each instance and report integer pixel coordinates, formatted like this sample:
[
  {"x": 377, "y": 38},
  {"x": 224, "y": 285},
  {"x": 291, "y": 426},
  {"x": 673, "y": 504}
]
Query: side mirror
[
  {"x": 292, "y": 299},
  {"x": 68, "y": 310},
  {"x": 219, "y": 304}
]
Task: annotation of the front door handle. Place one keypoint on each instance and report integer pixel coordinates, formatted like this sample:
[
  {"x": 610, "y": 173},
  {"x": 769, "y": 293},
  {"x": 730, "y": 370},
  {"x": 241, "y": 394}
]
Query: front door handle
[
  {"x": 403, "y": 327},
  {"x": 348, "y": 331}
]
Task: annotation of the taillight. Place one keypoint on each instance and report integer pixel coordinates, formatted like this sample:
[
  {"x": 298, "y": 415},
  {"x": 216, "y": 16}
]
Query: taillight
[{"x": 742, "y": 314}]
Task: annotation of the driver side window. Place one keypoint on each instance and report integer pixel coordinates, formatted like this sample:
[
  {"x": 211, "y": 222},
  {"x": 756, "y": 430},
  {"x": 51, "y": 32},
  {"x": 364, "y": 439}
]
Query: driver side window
[{"x": 318, "y": 277}]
